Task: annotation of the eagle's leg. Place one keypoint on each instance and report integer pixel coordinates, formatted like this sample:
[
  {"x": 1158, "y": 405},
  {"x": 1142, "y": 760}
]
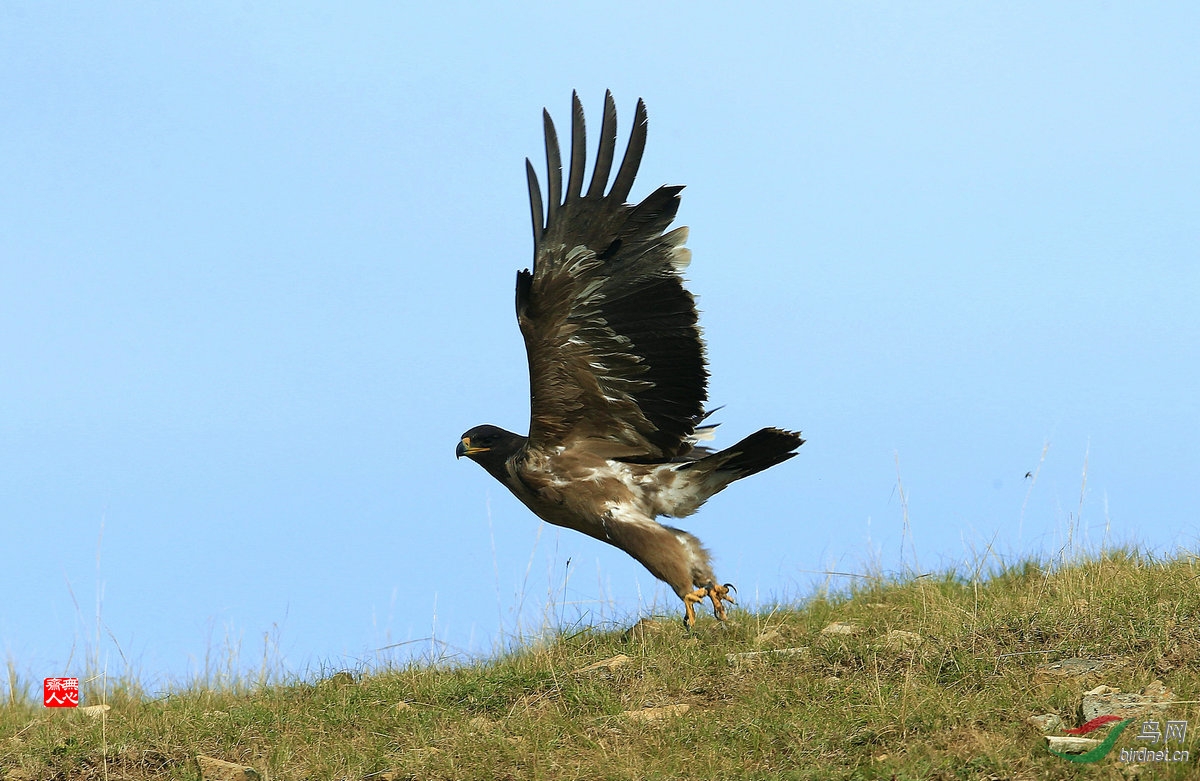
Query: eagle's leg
[
  {"x": 690, "y": 600},
  {"x": 684, "y": 572},
  {"x": 717, "y": 594}
]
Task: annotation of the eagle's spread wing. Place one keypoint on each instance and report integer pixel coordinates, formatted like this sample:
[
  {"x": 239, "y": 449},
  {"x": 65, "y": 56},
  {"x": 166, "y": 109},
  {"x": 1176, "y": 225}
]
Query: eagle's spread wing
[{"x": 615, "y": 354}]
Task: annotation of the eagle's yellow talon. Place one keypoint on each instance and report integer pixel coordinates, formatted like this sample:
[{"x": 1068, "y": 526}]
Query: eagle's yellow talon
[
  {"x": 689, "y": 606},
  {"x": 718, "y": 594}
]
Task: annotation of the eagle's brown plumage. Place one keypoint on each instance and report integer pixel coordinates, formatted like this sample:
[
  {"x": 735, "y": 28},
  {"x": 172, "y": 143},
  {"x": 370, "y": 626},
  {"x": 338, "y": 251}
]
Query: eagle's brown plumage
[{"x": 616, "y": 370}]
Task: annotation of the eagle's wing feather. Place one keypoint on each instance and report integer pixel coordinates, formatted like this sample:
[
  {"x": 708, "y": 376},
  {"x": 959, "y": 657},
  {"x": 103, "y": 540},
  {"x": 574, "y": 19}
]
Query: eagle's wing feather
[{"x": 615, "y": 354}]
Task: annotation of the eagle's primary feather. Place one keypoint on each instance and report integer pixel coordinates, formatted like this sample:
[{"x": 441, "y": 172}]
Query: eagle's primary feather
[{"x": 616, "y": 369}]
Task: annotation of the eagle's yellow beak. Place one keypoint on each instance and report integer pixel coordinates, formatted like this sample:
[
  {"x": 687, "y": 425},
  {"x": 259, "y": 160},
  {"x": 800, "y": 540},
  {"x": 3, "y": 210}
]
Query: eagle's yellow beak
[{"x": 464, "y": 448}]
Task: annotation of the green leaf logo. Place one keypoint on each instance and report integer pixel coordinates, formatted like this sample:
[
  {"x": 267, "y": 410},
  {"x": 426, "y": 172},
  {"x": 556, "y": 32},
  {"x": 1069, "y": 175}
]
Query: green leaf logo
[{"x": 1099, "y": 752}]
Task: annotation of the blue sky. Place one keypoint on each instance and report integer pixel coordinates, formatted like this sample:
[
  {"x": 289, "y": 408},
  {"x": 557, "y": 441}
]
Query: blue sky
[{"x": 256, "y": 270}]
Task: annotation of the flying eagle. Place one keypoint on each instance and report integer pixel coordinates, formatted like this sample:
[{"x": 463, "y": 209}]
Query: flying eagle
[{"x": 616, "y": 371}]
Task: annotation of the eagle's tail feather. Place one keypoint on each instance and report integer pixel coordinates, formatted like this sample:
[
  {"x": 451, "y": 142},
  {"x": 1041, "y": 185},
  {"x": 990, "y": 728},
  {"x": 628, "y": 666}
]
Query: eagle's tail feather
[{"x": 762, "y": 449}]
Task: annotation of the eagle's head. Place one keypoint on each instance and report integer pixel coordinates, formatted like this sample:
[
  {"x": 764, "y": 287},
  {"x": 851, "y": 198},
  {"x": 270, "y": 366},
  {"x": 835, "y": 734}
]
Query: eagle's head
[{"x": 490, "y": 447}]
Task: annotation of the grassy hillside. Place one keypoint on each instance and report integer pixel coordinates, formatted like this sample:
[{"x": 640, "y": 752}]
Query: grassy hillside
[{"x": 932, "y": 678}]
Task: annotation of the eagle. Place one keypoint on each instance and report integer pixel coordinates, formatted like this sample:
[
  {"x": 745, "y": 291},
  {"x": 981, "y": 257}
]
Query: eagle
[{"x": 617, "y": 371}]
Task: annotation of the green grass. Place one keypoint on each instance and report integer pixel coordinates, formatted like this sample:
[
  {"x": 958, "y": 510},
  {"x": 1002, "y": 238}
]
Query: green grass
[{"x": 852, "y": 706}]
